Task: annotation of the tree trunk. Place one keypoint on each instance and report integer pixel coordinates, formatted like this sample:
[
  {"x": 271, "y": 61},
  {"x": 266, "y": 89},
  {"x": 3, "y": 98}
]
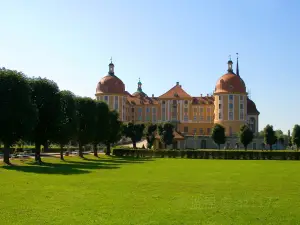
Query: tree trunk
[
  {"x": 37, "y": 155},
  {"x": 46, "y": 146},
  {"x": 95, "y": 148},
  {"x": 245, "y": 147},
  {"x": 80, "y": 152},
  {"x": 107, "y": 149},
  {"x": 62, "y": 152},
  {"x": 271, "y": 147},
  {"x": 134, "y": 144},
  {"x": 6, "y": 152}
]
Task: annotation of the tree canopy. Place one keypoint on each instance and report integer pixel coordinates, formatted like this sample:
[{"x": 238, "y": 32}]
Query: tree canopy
[
  {"x": 150, "y": 134},
  {"x": 18, "y": 114},
  {"x": 269, "y": 136},
  {"x": 114, "y": 131},
  {"x": 218, "y": 135},
  {"x": 134, "y": 131},
  {"x": 296, "y": 136},
  {"x": 245, "y": 135},
  {"x": 166, "y": 133}
]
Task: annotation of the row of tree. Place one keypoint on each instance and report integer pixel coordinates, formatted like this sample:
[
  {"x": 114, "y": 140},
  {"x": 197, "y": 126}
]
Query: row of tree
[
  {"x": 35, "y": 110},
  {"x": 246, "y": 136}
]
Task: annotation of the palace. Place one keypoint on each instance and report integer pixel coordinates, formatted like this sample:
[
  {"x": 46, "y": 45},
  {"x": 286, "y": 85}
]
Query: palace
[{"x": 229, "y": 105}]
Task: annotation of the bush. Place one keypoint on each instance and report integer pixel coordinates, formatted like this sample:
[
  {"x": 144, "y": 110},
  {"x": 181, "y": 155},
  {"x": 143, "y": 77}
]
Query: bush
[{"x": 209, "y": 154}]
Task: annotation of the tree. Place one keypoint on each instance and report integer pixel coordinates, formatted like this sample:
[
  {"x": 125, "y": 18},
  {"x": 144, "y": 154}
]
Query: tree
[
  {"x": 150, "y": 134},
  {"x": 102, "y": 125},
  {"x": 290, "y": 143},
  {"x": 86, "y": 118},
  {"x": 296, "y": 136},
  {"x": 18, "y": 113},
  {"x": 246, "y": 135},
  {"x": 114, "y": 130},
  {"x": 45, "y": 94},
  {"x": 269, "y": 136},
  {"x": 166, "y": 133},
  {"x": 66, "y": 128},
  {"x": 134, "y": 132},
  {"x": 218, "y": 135}
]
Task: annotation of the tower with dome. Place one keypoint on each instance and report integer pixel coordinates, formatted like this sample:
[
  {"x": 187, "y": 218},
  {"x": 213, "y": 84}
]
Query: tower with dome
[{"x": 194, "y": 116}]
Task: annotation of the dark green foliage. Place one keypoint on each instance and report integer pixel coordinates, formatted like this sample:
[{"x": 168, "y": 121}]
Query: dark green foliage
[
  {"x": 290, "y": 143},
  {"x": 150, "y": 134},
  {"x": 269, "y": 136},
  {"x": 245, "y": 135},
  {"x": 218, "y": 135},
  {"x": 114, "y": 131},
  {"x": 209, "y": 154},
  {"x": 296, "y": 136},
  {"x": 134, "y": 132},
  {"x": 86, "y": 125},
  {"x": 66, "y": 128},
  {"x": 18, "y": 113},
  {"x": 166, "y": 133},
  {"x": 102, "y": 125}
]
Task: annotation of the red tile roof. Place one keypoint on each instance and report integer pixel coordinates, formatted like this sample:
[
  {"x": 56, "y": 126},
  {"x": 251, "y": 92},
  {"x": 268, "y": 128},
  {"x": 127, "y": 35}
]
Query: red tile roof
[{"x": 175, "y": 92}]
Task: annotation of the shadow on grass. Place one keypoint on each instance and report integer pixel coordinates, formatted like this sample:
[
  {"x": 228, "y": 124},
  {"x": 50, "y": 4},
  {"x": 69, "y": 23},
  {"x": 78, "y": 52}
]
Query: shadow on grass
[{"x": 69, "y": 167}]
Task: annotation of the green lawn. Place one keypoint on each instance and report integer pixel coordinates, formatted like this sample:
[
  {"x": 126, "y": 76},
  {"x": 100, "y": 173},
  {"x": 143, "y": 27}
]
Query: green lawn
[{"x": 158, "y": 191}]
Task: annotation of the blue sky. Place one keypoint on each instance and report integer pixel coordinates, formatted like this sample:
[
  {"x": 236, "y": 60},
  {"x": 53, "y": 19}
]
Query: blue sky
[{"x": 162, "y": 42}]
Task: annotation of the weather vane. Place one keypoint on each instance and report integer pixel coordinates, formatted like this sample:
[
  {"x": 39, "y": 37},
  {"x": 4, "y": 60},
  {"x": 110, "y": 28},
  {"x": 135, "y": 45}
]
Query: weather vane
[{"x": 110, "y": 59}]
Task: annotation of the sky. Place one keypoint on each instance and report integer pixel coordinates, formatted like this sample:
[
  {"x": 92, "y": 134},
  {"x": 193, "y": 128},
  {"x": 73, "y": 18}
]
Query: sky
[{"x": 162, "y": 42}]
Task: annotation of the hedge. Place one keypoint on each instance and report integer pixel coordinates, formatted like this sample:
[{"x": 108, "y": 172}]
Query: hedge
[{"x": 210, "y": 154}]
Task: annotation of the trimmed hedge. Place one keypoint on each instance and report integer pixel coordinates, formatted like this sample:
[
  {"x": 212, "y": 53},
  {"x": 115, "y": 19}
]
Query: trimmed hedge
[{"x": 210, "y": 154}]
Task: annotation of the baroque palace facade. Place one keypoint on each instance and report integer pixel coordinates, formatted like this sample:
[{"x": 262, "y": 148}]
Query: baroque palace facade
[{"x": 229, "y": 105}]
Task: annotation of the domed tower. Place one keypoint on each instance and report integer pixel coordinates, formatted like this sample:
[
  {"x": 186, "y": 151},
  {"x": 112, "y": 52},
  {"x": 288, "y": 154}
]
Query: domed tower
[
  {"x": 230, "y": 101},
  {"x": 139, "y": 92},
  {"x": 111, "y": 90}
]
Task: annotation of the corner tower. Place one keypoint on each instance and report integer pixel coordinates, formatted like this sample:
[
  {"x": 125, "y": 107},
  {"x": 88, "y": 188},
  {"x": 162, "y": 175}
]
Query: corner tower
[{"x": 230, "y": 101}]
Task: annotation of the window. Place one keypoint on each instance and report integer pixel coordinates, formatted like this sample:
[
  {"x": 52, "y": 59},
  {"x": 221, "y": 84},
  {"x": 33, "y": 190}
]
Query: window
[
  {"x": 230, "y": 106},
  {"x": 186, "y": 119},
  {"x": 116, "y": 102},
  {"x": 241, "y": 115},
  {"x": 132, "y": 109},
  {"x": 194, "y": 131},
  {"x": 185, "y": 110},
  {"x": 208, "y": 131},
  {"x": 220, "y": 106},
  {"x": 195, "y": 110},
  {"x": 208, "y": 110},
  {"x": 106, "y": 98},
  {"x": 241, "y": 106},
  {"x": 208, "y": 118},
  {"x": 147, "y": 110},
  {"x": 201, "y": 118},
  {"x": 195, "y": 118},
  {"x": 230, "y": 115},
  {"x": 163, "y": 102},
  {"x": 201, "y": 131},
  {"x": 220, "y": 98},
  {"x": 230, "y": 97},
  {"x": 185, "y": 129},
  {"x": 241, "y": 98},
  {"x": 220, "y": 116},
  {"x": 153, "y": 110},
  {"x": 201, "y": 110},
  {"x": 185, "y": 102},
  {"x": 148, "y": 118},
  {"x": 140, "y": 110}
]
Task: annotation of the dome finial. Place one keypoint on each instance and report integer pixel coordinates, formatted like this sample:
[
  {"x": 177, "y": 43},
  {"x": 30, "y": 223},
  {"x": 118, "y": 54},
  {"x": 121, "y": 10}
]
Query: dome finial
[
  {"x": 111, "y": 66},
  {"x": 139, "y": 85},
  {"x": 230, "y": 65},
  {"x": 111, "y": 59}
]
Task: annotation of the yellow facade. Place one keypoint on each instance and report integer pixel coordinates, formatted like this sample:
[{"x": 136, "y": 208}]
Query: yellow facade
[{"x": 191, "y": 115}]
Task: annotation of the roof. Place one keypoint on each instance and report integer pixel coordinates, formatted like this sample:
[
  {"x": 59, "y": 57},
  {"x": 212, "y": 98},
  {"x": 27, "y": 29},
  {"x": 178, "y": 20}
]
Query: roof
[
  {"x": 110, "y": 84},
  {"x": 206, "y": 100},
  {"x": 176, "y": 92},
  {"x": 230, "y": 83},
  {"x": 251, "y": 108}
]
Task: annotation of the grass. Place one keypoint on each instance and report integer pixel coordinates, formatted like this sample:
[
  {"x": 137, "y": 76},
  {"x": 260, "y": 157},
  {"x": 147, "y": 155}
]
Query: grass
[{"x": 155, "y": 191}]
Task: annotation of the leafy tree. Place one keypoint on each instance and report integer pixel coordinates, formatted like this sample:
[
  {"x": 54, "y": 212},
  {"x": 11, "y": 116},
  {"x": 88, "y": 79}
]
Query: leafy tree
[
  {"x": 18, "y": 113},
  {"x": 45, "y": 94},
  {"x": 86, "y": 118},
  {"x": 290, "y": 143},
  {"x": 296, "y": 136},
  {"x": 246, "y": 135},
  {"x": 218, "y": 135},
  {"x": 134, "y": 132},
  {"x": 269, "y": 136},
  {"x": 66, "y": 128},
  {"x": 150, "y": 134},
  {"x": 102, "y": 125},
  {"x": 114, "y": 131},
  {"x": 166, "y": 133}
]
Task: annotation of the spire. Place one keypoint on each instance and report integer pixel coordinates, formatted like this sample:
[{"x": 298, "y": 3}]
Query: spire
[
  {"x": 237, "y": 64},
  {"x": 139, "y": 86},
  {"x": 111, "y": 67},
  {"x": 230, "y": 65}
]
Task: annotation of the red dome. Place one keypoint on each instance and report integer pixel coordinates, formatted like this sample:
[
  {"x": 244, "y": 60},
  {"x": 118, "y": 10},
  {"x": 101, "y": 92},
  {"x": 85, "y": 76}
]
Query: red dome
[
  {"x": 110, "y": 84},
  {"x": 230, "y": 83}
]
